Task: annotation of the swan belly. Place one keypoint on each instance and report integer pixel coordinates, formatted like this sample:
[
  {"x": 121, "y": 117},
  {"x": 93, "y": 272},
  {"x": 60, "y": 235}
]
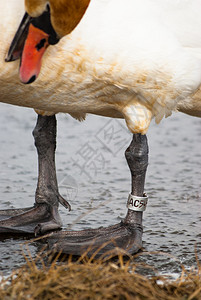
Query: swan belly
[
  {"x": 75, "y": 93},
  {"x": 70, "y": 93}
]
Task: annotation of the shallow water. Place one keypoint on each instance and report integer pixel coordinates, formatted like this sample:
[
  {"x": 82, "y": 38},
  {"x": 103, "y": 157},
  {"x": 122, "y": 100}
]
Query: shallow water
[{"x": 94, "y": 177}]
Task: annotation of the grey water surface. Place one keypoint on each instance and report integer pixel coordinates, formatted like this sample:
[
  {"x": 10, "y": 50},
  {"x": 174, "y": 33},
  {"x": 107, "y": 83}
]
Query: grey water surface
[{"x": 94, "y": 177}]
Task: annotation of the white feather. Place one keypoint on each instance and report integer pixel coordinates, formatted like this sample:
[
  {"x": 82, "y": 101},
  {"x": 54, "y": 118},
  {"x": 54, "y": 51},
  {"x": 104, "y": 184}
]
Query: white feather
[{"x": 123, "y": 58}]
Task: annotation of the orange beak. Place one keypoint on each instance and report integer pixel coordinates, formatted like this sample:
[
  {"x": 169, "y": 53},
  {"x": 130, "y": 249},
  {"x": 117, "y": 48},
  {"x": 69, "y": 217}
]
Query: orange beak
[{"x": 35, "y": 45}]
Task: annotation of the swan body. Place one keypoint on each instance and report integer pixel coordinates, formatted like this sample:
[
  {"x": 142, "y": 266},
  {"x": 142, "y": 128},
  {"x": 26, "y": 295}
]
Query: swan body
[{"x": 132, "y": 59}]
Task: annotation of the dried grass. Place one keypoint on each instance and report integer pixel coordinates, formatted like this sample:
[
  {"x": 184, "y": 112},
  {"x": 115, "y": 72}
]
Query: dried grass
[{"x": 100, "y": 279}]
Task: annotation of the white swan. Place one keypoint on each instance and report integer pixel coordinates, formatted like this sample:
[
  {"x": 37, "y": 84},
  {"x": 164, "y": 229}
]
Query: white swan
[{"x": 131, "y": 59}]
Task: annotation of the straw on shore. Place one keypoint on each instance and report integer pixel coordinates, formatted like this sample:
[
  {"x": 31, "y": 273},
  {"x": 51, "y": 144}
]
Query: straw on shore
[{"x": 88, "y": 279}]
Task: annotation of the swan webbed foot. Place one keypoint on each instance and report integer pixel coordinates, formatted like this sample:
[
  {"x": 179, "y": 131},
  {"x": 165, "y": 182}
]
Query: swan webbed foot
[
  {"x": 110, "y": 241},
  {"x": 33, "y": 220}
]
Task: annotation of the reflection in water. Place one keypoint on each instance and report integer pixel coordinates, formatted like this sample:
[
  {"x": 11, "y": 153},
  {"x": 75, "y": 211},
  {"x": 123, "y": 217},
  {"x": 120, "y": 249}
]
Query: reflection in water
[{"x": 94, "y": 177}]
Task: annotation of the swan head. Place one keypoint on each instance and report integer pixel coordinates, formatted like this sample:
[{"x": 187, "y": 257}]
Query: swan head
[
  {"x": 64, "y": 14},
  {"x": 44, "y": 23}
]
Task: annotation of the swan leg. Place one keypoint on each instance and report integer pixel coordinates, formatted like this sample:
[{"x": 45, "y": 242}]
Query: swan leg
[
  {"x": 44, "y": 215},
  {"x": 125, "y": 236}
]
